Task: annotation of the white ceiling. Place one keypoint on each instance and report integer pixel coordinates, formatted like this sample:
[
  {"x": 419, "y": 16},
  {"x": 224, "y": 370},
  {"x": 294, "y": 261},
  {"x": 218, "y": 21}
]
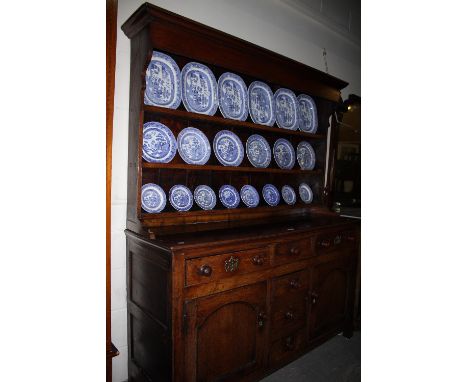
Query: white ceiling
[{"x": 343, "y": 16}]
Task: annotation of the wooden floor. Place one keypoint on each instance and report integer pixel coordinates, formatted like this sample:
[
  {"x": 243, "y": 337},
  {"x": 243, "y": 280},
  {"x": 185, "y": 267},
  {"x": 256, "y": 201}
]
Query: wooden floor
[{"x": 338, "y": 360}]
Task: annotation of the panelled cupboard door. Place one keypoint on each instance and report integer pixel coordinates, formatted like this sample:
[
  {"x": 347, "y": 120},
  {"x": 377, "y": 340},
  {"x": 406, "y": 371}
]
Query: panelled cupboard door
[
  {"x": 330, "y": 295},
  {"x": 226, "y": 334}
]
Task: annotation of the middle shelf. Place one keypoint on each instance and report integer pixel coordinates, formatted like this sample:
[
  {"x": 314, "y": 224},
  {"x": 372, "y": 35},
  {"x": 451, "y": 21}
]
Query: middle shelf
[{"x": 184, "y": 166}]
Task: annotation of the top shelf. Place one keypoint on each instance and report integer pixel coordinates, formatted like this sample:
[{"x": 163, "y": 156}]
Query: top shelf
[{"x": 182, "y": 114}]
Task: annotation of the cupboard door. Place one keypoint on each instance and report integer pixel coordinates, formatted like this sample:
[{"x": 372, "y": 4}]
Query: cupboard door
[
  {"x": 226, "y": 334},
  {"x": 330, "y": 296}
]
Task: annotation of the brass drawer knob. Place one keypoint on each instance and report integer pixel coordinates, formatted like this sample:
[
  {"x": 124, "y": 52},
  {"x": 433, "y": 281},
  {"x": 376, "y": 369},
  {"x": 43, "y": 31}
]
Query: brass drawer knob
[
  {"x": 261, "y": 318},
  {"x": 313, "y": 298},
  {"x": 258, "y": 260},
  {"x": 289, "y": 343},
  {"x": 205, "y": 270},
  {"x": 325, "y": 243}
]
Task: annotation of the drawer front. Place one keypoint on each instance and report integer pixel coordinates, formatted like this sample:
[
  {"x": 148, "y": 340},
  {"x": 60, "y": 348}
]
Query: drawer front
[
  {"x": 335, "y": 240},
  {"x": 287, "y": 346},
  {"x": 291, "y": 284},
  {"x": 293, "y": 250},
  {"x": 216, "y": 267},
  {"x": 288, "y": 314}
]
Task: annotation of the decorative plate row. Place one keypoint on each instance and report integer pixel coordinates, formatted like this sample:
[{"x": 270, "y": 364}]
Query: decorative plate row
[
  {"x": 197, "y": 88},
  {"x": 153, "y": 197},
  {"x": 160, "y": 146}
]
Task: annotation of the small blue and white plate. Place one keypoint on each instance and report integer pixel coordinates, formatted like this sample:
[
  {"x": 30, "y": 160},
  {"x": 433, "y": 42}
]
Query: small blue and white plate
[
  {"x": 261, "y": 105},
  {"x": 283, "y": 151},
  {"x": 305, "y": 155},
  {"x": 232, "y": 96},
  {"x": 180, "y": 197},
  {"x": 306, "y": 194},
  {"x": 286, "y": 109},
  {"x": 229, "y": 196},
  {"x": 271, "y": 194},
  {"x": 228, "y": 148},
  {"x": 308, "y": 121},
  {"x": 258, "y": 151},
  {"x": 159, "y": 144},
  {"x": 193, "y": 146},
  {"x": 289, "y": 195},
  {"x": 249, "y": 196},
  {"x": 199, "y": 89},
  {"x": 162, "y": 82},
  {"x": 153, "y": 198},
  {"x": 205, "y": 197}
]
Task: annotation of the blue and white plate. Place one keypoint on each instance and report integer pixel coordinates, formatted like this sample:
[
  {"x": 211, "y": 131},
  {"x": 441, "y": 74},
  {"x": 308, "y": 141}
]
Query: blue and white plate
[
  {"x": 305, "y": 155},
  {"x": 249, "y": 196},
  {"x": 180, "y": 198},
  {"x": 205, "y": 197},
  {"x": 153, "y": 198},
  {"x": 289, "y": 195},
  {"x": 162, "y": 82},
  {"x": 283, "y": 151},
  {"x": 229, "y": 196},
  {"x": 193, "y": 146},
  {"x": 305, "y": 192},
  {"x": 271, "y": 194},
  {"x": 199, "y": 89},
  {"x": 261, "y": 105},
  {"x": 232, "y": 96},
  {"x": 228, "y": 148},
  {"x": 159, "y": 144},
  {"x": 258, "y": 151},
  {"x": 308, "y": 121},
  {"x": 286, "y": 109}
]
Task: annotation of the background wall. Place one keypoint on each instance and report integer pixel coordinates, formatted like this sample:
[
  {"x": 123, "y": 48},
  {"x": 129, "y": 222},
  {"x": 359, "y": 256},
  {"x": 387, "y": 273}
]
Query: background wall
[{"x": 298, "y": 29}]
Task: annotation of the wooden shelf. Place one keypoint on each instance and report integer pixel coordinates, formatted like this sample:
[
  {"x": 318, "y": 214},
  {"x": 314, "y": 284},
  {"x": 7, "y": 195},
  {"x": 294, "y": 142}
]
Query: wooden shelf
[
  {"x": 182, "y": 114},
  {"x": 192, "y": 167}
]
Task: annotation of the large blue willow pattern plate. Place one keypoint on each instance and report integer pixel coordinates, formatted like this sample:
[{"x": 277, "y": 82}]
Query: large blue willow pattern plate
[
  {"x": 308, "y": 121},
  {"x": 261, "y": 105},
  {"x": 199, "y": 89},
  {"x": 305, "y": 155},
  {"x": 162, "y": 82},
  {"x": 286, "y": 109},
  {"x": 180, "y": 198},
  {"x": 229, "y": 196},
  {"x": 283, "y": 152},
  {"x": 232, "y": 96},
  {"x": 153, "y": 198},
  {"x": 258, "y": 151},
  {"x": 289, "y": 195},
  {"x": 205, "y": 197},
  {"x": 306, "y": 194},
  {"x": 228, "y": 148},
  {"x": 193, "y": 146},
  {"x": 249, "y": 196},
  {"x": 271, "y": 194},
  {"x": 159, "y": 144}
]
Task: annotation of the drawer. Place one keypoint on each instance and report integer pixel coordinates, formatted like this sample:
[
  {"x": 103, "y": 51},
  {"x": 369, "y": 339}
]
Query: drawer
[
  {"x": 216, "y": 267},
  {"x": 291, "y": 284},
  {"x": 288, "y": 346},
  {"x": 293, "y": 250},
  {"x": 288, "y": 314},
  {"x": 335, "y": 240}
]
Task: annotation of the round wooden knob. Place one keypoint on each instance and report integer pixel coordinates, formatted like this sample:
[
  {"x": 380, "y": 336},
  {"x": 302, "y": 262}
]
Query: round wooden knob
[
  {"x": 289, "y": 315},
  {"x": 295, "y": 284},
  {"x": 258, "y": 260},
  {"x": 205, "y": 270}
]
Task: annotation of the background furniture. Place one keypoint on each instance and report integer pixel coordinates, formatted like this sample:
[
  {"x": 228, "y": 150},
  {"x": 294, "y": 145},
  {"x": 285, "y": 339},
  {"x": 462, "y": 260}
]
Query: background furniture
[{"x": 231, "y": 294}]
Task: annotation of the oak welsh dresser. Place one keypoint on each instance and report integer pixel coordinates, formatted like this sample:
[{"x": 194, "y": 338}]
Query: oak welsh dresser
[{"x": 231, "y": 294}]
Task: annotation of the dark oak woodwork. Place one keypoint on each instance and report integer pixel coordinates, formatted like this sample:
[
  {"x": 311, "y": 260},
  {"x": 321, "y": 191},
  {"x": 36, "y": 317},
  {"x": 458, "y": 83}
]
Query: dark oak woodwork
[
  {"x": 231, "y": 294},
  {"x": 111, "y": 37}
]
